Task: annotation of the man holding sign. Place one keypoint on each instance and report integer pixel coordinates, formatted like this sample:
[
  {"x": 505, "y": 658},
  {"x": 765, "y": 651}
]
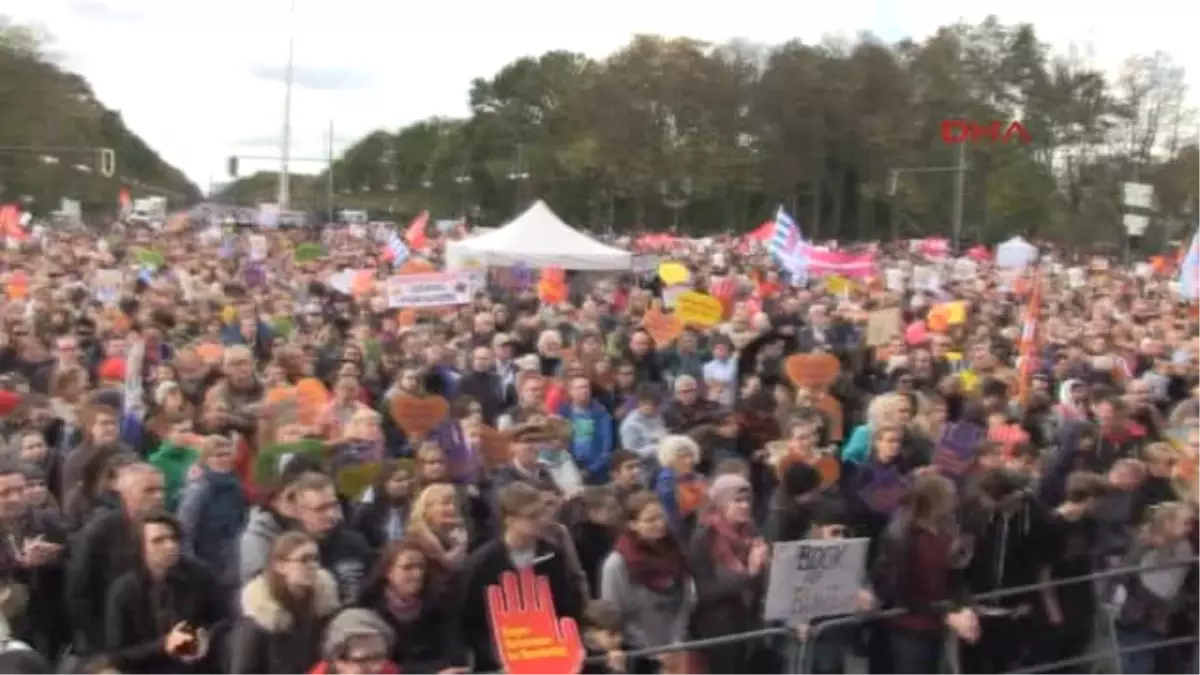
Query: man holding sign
[{"x": 515, "y": 627}]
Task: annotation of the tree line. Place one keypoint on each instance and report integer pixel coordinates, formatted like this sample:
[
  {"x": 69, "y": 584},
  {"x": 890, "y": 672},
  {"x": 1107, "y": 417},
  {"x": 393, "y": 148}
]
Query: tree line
[
  {"x": 51, "y": 124},
  {"x": 846, "y": 134}
]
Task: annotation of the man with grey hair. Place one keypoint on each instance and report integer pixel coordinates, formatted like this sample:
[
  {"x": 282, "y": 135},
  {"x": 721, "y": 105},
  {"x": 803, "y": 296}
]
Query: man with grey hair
[{"x": 688, "y": 409}]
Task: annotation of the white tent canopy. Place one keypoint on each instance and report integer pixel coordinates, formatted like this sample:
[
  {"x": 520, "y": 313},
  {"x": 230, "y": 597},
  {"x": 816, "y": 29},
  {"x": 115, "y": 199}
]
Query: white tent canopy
[
  {"x": 1016, "y": 253},
  {"x": 537, "y": 238}
]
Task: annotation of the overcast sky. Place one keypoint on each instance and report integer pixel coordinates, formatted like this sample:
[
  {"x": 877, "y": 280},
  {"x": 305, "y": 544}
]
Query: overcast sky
[{"x": 202, "y": 80}]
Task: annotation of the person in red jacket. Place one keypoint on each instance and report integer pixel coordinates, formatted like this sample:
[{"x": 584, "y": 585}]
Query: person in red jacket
[{"x": 357, "y": 642}]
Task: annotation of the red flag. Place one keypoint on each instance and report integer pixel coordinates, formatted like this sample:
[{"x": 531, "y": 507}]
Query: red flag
[
  {"x": 415, "y": 234},
  {"x": 10, "y": 223},
  {"x": 123, "y": 199}
]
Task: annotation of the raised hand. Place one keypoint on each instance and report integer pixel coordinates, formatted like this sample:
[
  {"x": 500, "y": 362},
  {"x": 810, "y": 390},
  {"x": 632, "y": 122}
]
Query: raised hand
[{"x": 530, "y": 639}]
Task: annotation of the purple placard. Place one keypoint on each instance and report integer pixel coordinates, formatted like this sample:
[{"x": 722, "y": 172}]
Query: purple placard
[
  {"x": 883, "y": 494},
  {"x": 955, "y": 452},
  {"x": 253, "y": 275}
]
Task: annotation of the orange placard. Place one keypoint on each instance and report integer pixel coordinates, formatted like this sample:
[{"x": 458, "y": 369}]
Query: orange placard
[
  {"x": 362, "y": 283},
  {"x": 416, "y": 266},
  {"x": 690, "y": 495},
  {"x": 311, "y": 399},
  {"x": 814, "y": 371},
  {"x": 529, "y": 637},
  {"x": 406, "y": 317},
  {"x": 17, "y": 286},
  {"x": 938, "y": 319},
  {"x": 210, "y": 352},
  {"x": 832, "y": 409},
  {"x": 419, "y": 415},
  {"x": 493, "y": 447},
  {"x": 555, "y": 275},
  {"x": 551, "y": 292},
  {"x": 664, "y": 328}
]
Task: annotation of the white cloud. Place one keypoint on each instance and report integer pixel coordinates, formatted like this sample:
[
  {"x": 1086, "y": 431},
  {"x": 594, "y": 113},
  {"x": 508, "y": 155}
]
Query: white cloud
[{"x": 200, "y": 80}]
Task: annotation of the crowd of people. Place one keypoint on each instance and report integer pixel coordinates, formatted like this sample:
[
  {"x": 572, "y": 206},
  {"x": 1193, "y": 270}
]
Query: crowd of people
[{"x": 217, "y": 461}]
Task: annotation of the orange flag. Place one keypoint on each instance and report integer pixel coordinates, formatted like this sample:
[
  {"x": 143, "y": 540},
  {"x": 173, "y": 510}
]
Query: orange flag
[{"x": 415, "y": 233}]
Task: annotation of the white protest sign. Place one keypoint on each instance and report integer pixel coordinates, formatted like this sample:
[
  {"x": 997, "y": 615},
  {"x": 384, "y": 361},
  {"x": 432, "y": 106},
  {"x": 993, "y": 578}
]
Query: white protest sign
[
  {"x": 107, "y": 285},
  {"x": 258, "y": 247},
  {"x": 134, "y": 363},
  {"x": 815, "y": 578},
  {"x": 435, "y": 289}
]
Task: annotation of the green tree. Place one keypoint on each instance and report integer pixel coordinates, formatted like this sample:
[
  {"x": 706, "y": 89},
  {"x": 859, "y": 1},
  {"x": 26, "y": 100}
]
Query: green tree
[
  {"x": 44, "y": 106},
  {"x": 719, "y": 135}
]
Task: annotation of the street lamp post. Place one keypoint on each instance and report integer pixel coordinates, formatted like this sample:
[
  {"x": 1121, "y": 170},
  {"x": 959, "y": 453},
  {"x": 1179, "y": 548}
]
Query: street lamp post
[
  {"x": 959, "y": 169},
  {"x": 286, "y": 146},
  {"x": 676, "y": 201},
  {"x": 463, "y": 181}
]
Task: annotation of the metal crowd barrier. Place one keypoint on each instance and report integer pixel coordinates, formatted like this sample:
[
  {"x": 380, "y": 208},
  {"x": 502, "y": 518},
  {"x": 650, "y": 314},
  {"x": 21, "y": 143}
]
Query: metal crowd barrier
[
  {"x": 852, "y": 619},
  {"x": 802, "y": 661}
]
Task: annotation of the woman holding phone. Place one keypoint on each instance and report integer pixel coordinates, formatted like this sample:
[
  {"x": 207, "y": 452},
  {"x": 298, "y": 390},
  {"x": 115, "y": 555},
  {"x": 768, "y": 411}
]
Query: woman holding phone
[{"x": 160, "y": 615}]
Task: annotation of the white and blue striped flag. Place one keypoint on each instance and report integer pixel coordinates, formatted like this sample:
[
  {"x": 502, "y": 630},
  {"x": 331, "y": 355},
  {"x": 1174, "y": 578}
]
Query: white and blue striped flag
[
  {"x": 787, "y": 248},
  {"x": 395, "y": 247},
  {"x": 786, "y": 237},
  {"x": 1189, "y": 271}
]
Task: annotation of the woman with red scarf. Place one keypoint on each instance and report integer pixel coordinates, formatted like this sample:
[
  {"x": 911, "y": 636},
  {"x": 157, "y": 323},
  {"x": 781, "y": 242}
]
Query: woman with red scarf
[
  {"x": 729, "y": 561},
  {"x": 646, "y": 577}
]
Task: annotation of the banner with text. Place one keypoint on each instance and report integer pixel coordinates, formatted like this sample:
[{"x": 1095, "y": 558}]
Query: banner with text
[{"x": 435, "y": 289}]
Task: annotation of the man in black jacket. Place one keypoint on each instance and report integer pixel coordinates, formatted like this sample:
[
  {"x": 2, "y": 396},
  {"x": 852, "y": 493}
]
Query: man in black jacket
[
  {"x": 483, "y": 384},
  {"x": 104, "y": 550},
  {"x": 344, "y": 552},
  {"x": 519, "y": 546}
]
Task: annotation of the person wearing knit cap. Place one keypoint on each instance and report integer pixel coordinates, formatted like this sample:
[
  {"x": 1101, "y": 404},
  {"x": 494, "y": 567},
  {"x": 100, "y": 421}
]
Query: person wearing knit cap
[
  {"x": 357, "y": 642},
  {"x": 728, "y": 560},
  {"x": 726, "y": 488}
]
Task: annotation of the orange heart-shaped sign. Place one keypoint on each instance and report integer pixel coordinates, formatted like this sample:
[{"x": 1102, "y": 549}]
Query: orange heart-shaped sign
[
  {"x": 664, "y": 328},
  {"x": 281, "y": 394},
  {"x": 691, "y": 495},
  {"x": 813, "y": 371},
  {"x": 830, "y": 469},
  {"x": 311, "y": 397},
  {"x": 419, "y": 415},
  {"x": 493, "y": 447}
]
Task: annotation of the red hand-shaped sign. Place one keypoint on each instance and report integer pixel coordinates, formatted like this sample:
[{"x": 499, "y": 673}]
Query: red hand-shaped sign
[{"x": 530, "y": 639}]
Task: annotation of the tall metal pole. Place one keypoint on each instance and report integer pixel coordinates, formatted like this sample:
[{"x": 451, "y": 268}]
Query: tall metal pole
[
  {"x": 960, "y": 184},
  {"x": 329, "y": 183},
  {"x": 284, "y": 196}
]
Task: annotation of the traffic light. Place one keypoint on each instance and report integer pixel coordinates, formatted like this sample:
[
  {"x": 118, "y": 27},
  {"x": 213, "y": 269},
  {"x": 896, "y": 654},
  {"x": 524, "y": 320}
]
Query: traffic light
[{"x": 233, "y": 166}]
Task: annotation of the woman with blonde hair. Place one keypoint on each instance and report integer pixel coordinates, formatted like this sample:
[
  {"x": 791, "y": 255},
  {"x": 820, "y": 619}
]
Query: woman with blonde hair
[
  {"x": 1150, "y": 601},
  {"x": 880, "y": 412},
  {"x": 284, "y": 610},
  {"x": 437, "y": 525}
]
